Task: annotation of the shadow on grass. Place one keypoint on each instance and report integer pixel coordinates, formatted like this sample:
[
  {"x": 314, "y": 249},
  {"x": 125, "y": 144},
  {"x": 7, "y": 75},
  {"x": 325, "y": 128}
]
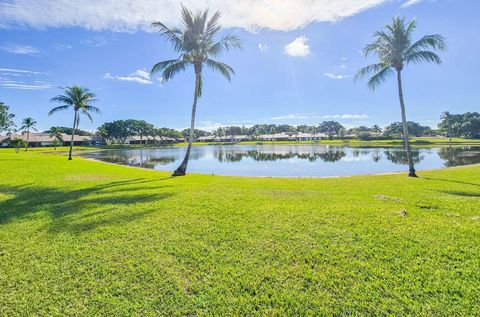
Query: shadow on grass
[
  {"x": 451, "y": 181},
  {"x": 77, "y": 210},
  {"x": 461, "y": 194}
]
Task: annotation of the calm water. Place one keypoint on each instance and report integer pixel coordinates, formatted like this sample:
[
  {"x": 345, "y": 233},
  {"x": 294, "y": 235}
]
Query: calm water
[{"x": 291, "y": 160}]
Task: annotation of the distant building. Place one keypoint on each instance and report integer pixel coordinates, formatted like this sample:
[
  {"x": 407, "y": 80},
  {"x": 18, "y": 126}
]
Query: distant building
[
  {"x": 136, "y": 139},
  {"x": 44, "y": 139},
  {"x": 292, "y": 136}
]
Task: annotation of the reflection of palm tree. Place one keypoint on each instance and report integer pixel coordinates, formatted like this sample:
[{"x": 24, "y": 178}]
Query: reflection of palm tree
[
  {"x": 395, "y": 50},
  {"x": 401, "y": 158},
  {"x": 332, "y": 156},
  {"x": 376, "y": 156}
]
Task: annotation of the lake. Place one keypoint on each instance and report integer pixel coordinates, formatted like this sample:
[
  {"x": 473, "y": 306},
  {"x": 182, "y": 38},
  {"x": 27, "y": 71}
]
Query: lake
[{"x": 290, "y": 160}]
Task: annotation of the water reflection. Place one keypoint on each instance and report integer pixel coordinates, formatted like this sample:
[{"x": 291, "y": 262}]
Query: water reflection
[
  {"x": 459, "y": 156},
  {"x": 291, "y": 160}
]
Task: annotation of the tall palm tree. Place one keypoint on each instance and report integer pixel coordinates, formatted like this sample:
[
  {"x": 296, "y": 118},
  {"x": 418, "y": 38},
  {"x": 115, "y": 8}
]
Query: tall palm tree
[
  {"x": 27, "y": 125},
  {"x": 80, "y": 99},
  {"x": 196, "y": 45},
  {"x": 446, "y": 116},
  {"x": 57, "y": 134},
  {"x": 395, "y": 49}
]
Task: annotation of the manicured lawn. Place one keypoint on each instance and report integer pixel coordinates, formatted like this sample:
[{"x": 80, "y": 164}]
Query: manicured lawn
[{"x": 89, "y": 238}]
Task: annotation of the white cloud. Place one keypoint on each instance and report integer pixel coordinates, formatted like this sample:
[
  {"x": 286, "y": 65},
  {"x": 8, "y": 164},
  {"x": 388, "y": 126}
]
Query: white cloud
[
  {"x": 346, "y": 116},
  {"x": 294, "y": 116},
  {"x": 122, "y": 15},
  {"x": 20, "y": 71},
  {"x": 263, "y": 47},
  {"x": 344, "y": 58},
  {"x": 23, "y": 79},
  {"x": 62, "y": 47},
  {"x": 139, "y": 76},
  {"x": 335, "y": 76},
  {"x": 343, "y": 66},
  {"x": 410, "y": 3},
  {"x": 20, "y": 49},
  {"x": 298, "y": 48}
]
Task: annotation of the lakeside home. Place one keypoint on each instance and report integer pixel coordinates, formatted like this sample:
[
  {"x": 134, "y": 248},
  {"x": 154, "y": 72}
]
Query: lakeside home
[
  {"x": 136, "y": 139},
  {"x": 44, "y": 139},
  {"x": 265, "y": 137}
]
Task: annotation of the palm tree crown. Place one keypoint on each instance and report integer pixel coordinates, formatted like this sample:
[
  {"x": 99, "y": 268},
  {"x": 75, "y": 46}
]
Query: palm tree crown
[
  {"x": 80, "y": 99},
  {"x": 28, "y": 124},
  {"x": 196, "y": 45},
  {"x": 395, "y": 49},
  {"x": 77, "y": 97}
]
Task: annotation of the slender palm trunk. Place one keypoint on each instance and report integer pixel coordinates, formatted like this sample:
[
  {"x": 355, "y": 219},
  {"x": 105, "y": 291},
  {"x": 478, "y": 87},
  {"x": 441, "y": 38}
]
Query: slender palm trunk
[
  {"x": 449, "y": 130},
  {"x": 406, "y": 141},
  {"x": 73, "y": 133},
  {"x": 182, "y": 169},
  {"x": 28, "y": 139}
]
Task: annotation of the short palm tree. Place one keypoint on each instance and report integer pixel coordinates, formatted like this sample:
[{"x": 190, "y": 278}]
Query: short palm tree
[
  {"x": 28, "y": 124},
  {"x": 80, "y": 99},
  {"x": 446, "y": 116},
  {"x": 377, "y": 130},
  {"x": 196, "y": 45},
  {"x": 57, "y": 134},
  {"x": 395, "y": 49}
]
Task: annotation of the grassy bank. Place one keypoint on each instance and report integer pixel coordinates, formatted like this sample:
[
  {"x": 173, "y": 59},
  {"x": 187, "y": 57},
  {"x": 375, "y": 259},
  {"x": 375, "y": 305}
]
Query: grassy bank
[{"x": 89, "y": 238}]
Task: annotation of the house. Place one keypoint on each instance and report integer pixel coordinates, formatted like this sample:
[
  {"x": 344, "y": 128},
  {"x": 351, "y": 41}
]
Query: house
[
  {"x": 44, "y": 139},
  {"x": 226, "y": 138},
  {"x": 292, "y": 136},
  {"x": 136, "y": 139}
]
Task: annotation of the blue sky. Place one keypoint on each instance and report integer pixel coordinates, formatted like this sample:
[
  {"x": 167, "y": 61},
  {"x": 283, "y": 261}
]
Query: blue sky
[{"x": 109, "y": 49}]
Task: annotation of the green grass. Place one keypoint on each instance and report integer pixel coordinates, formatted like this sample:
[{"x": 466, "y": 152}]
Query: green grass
[{"x": 88, "y": 238}]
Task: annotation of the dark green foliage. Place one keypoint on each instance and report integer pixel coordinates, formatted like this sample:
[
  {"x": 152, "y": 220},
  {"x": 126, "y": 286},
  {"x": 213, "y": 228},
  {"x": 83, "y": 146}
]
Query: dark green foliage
[{"x": 465, "y": 125}]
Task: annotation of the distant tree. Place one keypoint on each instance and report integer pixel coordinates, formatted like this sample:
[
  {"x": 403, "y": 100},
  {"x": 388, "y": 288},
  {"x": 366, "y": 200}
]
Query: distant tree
[
  {"x": 68, "y": 131},
  {"x": 80, "y": 99},
  {"x": 416, "y": 129},
  {"x": 116, "y": 131},
  {"x": 330, "y": 128},
  {"x": 27, "y": 125},
  {"x": 395, "y": 49},
  {"x": 6, "y": 118},
  {"x": 18, "y": 143},
  {"x": 377, "y": 130},
  {"x": 197, "y": 46},
  {"x": 446, "y": 117},
  {"x": 56, "y": 134}
]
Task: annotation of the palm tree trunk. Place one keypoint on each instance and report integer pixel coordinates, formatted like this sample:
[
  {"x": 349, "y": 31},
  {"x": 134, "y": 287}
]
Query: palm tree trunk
[
  {"x": 28, "y": 139},
  {"x": 182, "y": 169},
  {"x": 73, "y": 133},
  {"x": 411, "y": 167}
]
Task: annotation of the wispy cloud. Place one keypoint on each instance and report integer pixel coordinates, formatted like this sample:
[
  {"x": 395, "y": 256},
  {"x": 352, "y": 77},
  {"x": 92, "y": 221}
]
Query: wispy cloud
[
  {"x": 337, "y": 77},
  {"x": 23, "y": 79},
  {"x": 139, "y": 76},
  {"x": 410, "y": 3},
  {"x": 120, "y": 15},
  {"x": 20, "y": 49},
  {"x": 296, "y": 116},
  {"x": 263, "y": 47},
  {"x": 298, "y": 48},
  {"x": 98, "y": 41},
  {"x": 20, "y": 71},
  {"x": 62, "y": 47}
]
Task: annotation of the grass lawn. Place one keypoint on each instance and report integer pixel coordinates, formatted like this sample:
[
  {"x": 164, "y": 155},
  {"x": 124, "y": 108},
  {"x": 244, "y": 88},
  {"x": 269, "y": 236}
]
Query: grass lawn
[{"x": 88, "y": 238}]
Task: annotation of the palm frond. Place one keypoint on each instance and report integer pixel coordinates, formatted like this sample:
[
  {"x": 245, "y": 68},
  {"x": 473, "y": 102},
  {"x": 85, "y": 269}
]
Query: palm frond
[
  {"x": 434, "y": 41},
  {"x": 213, "y": 26},
  {"x": 379, "y": 77},
  {"x": 89, "y": 108},
  {"x": 170, "y": 68},
  {"x": 423, "y": 57},
  {"x": 85, "y": 113},
  {"x": 222, "y": 68},
  {"x": 57, "y": 109},
  {"x": 369, "y": 70},
  {"x": 172, "y": 35},
  {"x": 226, "y": 43}
]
